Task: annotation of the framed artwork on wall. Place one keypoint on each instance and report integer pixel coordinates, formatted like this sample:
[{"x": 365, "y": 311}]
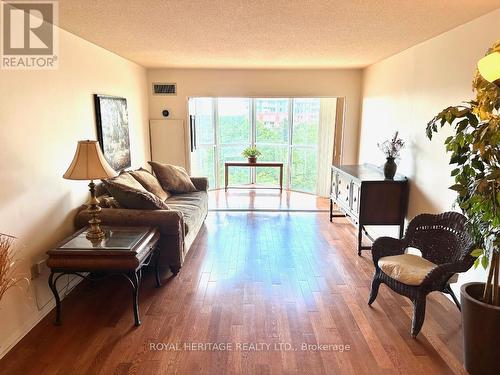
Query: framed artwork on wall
[{"x": 112, "y": 130}]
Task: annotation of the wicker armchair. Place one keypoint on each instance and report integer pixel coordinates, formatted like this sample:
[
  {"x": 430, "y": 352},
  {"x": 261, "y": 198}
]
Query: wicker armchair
[{"x": 442, "y": 240}]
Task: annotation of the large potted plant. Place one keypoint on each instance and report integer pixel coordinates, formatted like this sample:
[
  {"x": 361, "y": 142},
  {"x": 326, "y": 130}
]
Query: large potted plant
[{"x": 475, "y": 153}]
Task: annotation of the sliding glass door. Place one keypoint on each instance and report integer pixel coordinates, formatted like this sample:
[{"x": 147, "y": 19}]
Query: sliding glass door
[
  {"x": 304, "y": 145},
  {"x": 283, "y": 129},
  {"x": 271, "y": 136},
  {"x": 233, "y": 135},
  {"x": 203, "y": 155}
]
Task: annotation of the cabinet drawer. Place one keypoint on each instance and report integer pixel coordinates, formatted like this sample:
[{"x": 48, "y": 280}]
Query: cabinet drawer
[
  {"x": 343, "y": 189},
  {"x": 333, "y": 186},
  {"x": 356, "y": 195}
]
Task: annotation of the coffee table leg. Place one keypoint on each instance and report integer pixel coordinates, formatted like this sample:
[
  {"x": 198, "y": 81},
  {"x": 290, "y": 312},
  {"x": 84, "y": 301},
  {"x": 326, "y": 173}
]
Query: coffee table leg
[
  {"x": 134, "y": 280},
  {"x": 53, "y": 288}
]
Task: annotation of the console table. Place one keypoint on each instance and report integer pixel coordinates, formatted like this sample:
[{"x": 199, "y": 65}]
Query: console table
[
  {"x": 124, "y": 251},
  {"x": 247, "y": 164},
  {"x": 362, "y": 193}
]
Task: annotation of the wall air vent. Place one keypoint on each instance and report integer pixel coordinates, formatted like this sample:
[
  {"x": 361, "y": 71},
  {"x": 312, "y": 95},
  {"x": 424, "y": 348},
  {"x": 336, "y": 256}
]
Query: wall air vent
[{"x": 164, "y": 89}]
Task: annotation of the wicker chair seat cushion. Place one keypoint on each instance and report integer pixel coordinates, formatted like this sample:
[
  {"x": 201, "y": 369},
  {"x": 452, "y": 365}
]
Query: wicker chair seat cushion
[{"x": 408, "y": 269}]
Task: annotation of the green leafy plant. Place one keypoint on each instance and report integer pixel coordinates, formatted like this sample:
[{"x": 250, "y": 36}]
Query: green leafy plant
[
  {"x": 475, "y": 153},
  {"x": 251, "y": 152}
]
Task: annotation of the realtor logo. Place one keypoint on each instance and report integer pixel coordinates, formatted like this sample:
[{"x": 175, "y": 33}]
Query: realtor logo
[{"x": 29, "y": 35}]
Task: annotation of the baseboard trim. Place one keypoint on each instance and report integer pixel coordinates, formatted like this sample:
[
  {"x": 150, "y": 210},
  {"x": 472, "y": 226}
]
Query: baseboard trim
[
  {"x": 263, "y": 210},
  {"x": 18, "y": 335}
]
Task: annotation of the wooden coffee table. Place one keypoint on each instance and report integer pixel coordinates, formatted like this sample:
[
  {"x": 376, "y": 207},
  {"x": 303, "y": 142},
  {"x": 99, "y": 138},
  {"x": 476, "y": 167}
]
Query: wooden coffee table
[{"x": 124, "y": 251}]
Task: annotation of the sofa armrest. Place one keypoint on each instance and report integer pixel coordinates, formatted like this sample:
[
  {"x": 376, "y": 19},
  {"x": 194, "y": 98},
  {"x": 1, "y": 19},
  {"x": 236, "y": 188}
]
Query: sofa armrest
[
  {"x": 166, "y": 220},
  {"x": 200, "y": 183},
  {"x": 170, "y": 223}
]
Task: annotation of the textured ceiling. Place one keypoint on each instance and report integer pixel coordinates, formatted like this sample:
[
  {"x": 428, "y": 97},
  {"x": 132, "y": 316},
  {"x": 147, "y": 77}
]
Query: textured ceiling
[{"x": 263, "y": 33}]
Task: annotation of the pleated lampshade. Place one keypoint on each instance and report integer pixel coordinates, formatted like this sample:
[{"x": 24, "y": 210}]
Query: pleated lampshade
[{"x": 89, "y": 163}]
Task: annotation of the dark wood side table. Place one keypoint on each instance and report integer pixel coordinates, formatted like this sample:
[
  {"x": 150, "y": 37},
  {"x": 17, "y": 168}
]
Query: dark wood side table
[
  {"x": 247, "y": 164},
  {"x": 124, "y": 251}
]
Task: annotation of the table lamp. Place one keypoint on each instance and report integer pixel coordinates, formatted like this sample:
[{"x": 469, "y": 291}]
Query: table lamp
[{"x": 89, "y": 164}]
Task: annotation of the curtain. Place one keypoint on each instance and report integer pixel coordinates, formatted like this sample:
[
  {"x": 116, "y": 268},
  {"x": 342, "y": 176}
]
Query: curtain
[{"x": 326, "y": 140}]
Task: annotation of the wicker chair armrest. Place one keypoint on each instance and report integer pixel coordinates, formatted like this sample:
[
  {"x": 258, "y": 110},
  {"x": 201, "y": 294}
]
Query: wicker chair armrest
[
  {"x": 387, "y": 246},
  {"x": 441, "y": 274}
]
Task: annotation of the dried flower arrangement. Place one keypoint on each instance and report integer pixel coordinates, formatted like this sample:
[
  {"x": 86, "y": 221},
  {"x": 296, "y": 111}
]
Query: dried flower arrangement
[
  {"x": 9, "y": 272},
  {"x": 391, "y": 148}
]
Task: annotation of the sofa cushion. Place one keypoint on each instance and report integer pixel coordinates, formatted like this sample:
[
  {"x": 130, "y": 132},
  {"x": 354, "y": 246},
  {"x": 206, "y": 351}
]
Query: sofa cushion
[
  {"x": 408, "y": 269},
  {"x": 131, "y": 194},
  {"x": 191, "y": 206},
  {"x": 150, "y": 183},
  {"x": 172, "y": 178}
]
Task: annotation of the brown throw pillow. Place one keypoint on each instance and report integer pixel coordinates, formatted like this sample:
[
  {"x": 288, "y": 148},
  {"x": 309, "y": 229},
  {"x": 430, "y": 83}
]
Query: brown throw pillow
[
  {"x": 131, "y": 194},
  {"x": 173, "y": 178},
  {"x": 126, "y": 179},
  {"x": 150, "y": 183}
]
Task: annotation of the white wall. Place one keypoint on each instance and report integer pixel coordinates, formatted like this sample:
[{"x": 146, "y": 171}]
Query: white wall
[
  {"x": 259, "y": 83},
  {"x": 42, "y": 116},
  {"x": 405, "y": 91}
]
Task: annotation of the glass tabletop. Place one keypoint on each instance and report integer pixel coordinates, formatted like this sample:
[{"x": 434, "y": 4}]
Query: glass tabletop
[{"x": 115, "y": 239}]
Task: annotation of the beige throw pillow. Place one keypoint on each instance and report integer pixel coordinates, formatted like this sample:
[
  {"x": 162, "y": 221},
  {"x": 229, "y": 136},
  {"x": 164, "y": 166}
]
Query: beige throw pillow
[
  {"x": 150, "y": 183},
  {"x": 131, "y": 194},
  {"x": 172, "y": 178}
]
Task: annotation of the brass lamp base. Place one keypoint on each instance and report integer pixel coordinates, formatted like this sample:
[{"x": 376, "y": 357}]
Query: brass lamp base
[{"x": 95, "y": 233}]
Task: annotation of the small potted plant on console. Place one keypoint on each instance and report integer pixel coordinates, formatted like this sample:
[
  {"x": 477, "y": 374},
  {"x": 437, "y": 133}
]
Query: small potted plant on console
[{"x": 251, "y": 153}]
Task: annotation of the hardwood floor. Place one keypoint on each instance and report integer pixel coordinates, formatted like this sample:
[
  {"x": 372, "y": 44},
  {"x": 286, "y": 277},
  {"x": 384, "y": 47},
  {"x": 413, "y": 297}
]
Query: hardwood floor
[
  {"x": 285, "y": 279},
  {"x": 265, "y": 199}
]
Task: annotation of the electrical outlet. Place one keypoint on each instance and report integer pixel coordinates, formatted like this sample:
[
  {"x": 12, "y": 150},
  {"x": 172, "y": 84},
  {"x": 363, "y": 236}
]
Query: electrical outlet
[{"x": 38, "y": 268}]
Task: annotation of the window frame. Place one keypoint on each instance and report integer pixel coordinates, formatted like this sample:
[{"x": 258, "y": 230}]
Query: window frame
[{"x": 290, "y": 146}]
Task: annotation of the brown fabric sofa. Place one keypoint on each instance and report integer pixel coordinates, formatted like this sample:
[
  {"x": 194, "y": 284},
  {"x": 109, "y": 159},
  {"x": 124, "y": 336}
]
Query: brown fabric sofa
[{"x": 178, "y": 226}]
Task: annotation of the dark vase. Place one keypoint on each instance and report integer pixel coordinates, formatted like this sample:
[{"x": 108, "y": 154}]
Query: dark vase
[
  {"x": 481, "y": 324},
  {"x": 252, "y": 160},
  {"x": 390, "y": 168}
]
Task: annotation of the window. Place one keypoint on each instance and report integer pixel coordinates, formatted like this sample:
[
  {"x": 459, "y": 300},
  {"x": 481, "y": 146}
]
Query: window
[
  {"x": 284, "y": 130},
  {"x": 272, "y": 128},
  {"x": 203, "y": 160},
  {"x": 234, "y": 130},
  {"x": 304, "y": 144}
]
